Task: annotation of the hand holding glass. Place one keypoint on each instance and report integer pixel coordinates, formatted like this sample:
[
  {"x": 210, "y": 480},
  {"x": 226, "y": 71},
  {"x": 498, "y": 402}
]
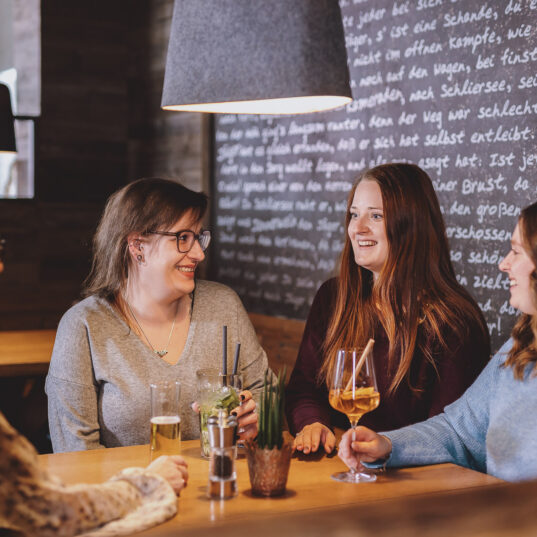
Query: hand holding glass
[
  {"x": 354, "y": 392},
  {"x": 215, "y": 392}
]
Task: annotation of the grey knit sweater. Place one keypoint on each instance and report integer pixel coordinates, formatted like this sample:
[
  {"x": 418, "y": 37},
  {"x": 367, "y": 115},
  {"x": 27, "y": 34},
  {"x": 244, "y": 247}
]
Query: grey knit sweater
[{"x": 100, "y": 371}]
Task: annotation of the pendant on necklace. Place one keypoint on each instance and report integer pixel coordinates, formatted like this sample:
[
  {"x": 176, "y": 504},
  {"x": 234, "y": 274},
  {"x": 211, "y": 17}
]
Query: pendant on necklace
[{"x": 163, "y": 352}]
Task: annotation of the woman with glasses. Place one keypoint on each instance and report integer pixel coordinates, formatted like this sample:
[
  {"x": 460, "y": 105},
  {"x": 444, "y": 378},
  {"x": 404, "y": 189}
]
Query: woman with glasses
[
  {"x": 396, "y": 285},
  {"x": 145, "y": 319}
]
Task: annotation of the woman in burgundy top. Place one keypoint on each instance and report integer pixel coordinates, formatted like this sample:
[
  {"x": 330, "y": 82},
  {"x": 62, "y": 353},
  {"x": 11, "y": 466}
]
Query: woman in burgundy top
[{"x": 397, "y": 285}]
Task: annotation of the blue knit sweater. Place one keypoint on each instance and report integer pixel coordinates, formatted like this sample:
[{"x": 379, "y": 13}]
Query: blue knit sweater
[{"x": 492, "y": 427}]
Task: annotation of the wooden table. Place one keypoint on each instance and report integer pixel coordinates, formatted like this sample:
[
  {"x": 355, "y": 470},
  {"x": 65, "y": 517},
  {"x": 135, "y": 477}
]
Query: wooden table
[
  {"x": 310, "y": 490},
  {"x": 25, "y": 352}
]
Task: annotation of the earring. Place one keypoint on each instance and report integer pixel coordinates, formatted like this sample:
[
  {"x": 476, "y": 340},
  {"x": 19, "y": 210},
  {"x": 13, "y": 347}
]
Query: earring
[{"x": 140, "y": 259}]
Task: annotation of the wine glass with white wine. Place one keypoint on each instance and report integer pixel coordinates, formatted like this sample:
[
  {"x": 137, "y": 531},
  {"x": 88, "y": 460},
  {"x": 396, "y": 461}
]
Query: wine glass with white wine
[{"x": 354, "y": 392}]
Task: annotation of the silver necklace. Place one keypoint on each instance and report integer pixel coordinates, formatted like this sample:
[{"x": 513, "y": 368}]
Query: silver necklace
[{"x": 163, "y": 352}]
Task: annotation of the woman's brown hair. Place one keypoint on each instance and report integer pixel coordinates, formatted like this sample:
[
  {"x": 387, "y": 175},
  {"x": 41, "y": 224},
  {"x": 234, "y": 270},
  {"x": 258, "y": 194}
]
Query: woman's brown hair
[
  {"x": 416, "y": 295},
  {"x": 141, "y": 206},
  {"x": 524, "y": 334}
]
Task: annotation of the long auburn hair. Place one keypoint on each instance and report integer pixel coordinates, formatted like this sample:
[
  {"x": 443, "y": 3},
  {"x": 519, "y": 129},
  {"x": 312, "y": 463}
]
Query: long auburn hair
[
  {"x": 141, "y": 206},
  {"x": 524, "y": 333},
  {"x": 416, "y": 295}
]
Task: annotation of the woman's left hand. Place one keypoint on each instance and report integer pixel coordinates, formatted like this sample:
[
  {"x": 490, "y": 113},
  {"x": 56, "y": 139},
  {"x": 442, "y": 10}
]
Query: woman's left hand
[{"x": 247, "y": 416}]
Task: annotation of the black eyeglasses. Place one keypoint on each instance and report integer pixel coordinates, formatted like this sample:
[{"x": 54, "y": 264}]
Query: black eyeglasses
[{"x": 185, "y": 239}]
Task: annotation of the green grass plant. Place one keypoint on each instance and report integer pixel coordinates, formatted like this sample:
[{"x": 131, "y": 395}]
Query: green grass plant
[{"x": 271, "y": 412}]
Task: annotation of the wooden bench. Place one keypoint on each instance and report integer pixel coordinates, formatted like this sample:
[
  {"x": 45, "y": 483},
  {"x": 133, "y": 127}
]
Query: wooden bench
[{"x": 280, "y": 338}]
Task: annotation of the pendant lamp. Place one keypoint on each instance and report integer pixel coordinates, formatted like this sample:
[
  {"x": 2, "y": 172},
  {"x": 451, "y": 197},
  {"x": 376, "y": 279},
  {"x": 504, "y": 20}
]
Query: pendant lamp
[
  {"x": 256, "y": 57},
  {"x": 7, "y": 126}
]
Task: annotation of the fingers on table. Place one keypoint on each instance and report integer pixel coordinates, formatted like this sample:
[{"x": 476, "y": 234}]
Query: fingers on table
[
  {"x": 178, "y": 484},
  {"x": 179, "y": 465},
  {"x": 183, "y": 469},
  {"x": 329, "y": 441},
  {"x": 299, "y": 440},
  {"x": 308, "y": 439},
  {"x": 312, "y": 436}
]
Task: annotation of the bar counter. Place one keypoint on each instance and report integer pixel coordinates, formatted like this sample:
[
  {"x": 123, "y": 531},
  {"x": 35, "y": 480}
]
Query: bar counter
[{"x": 311, "y": 493}]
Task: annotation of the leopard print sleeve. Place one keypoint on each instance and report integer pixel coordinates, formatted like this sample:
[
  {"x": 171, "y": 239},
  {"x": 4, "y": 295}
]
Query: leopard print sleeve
[{"x": 35, "y": 503}]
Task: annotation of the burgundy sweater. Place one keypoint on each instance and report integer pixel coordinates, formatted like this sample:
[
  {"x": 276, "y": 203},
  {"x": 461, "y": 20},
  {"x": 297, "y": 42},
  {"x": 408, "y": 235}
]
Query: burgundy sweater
[{"x": 458, "y": 366}]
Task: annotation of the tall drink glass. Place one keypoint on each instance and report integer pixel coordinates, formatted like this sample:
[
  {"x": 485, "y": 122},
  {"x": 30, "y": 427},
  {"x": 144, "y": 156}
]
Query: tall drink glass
[
  {"x": 215, "y": 392},
  {"x": 165, "y": 419}
]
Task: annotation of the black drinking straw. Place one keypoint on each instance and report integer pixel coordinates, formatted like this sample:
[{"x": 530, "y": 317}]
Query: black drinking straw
[
  {"x": 236, "y": 360},
  {"x": 224, "y": 355}
]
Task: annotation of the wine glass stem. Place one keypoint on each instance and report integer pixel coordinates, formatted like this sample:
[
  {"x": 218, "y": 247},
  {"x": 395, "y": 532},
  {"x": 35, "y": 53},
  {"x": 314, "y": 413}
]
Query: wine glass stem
[{"x": 354, "y": 424}]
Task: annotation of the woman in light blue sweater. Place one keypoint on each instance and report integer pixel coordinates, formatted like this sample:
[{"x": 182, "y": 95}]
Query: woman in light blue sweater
[{"x": 493, "y": 426}]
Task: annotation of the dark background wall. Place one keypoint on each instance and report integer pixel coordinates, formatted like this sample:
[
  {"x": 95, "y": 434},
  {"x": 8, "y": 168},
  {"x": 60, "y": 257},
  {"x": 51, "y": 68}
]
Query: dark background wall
[{"x": 100, "y": 126}]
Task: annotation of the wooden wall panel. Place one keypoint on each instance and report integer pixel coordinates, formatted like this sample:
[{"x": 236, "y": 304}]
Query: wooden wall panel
[
  {"x": 83, "y": 130},
  {"x": 280, "y": 338},
  {"x": 47, "y": 257}
]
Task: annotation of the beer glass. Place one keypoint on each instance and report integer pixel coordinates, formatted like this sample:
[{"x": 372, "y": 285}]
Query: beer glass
[{"x": 165, "y": 419}]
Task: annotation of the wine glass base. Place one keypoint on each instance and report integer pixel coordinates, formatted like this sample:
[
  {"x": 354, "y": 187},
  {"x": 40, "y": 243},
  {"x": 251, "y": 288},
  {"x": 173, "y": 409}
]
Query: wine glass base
[{"x": 358, "y": 477}]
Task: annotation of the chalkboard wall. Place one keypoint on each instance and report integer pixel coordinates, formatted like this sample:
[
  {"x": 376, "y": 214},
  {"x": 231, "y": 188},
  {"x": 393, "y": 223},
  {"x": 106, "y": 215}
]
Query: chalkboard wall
[{"x": 449, "y": 85}]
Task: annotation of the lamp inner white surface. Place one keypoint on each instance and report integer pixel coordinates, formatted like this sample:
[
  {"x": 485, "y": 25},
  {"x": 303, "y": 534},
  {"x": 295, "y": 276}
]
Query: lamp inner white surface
[{"x": 288, "y": 105}]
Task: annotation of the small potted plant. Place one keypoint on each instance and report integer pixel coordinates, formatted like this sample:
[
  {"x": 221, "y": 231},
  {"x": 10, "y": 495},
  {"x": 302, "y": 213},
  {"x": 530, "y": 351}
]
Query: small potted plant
[{"x": 269, "y": 455}]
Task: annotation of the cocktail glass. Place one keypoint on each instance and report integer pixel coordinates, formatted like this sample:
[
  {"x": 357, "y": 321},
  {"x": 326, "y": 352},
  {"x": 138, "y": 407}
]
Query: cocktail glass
[
  {"x": 215, "y": 392},
  {"x": 354, "y": 392}
]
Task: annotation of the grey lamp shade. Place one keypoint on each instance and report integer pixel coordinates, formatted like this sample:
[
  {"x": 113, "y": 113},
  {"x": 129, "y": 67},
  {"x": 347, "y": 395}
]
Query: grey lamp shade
[
  {"x": 256, "y": 57},
  {"x": 7, "y": 127}
]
